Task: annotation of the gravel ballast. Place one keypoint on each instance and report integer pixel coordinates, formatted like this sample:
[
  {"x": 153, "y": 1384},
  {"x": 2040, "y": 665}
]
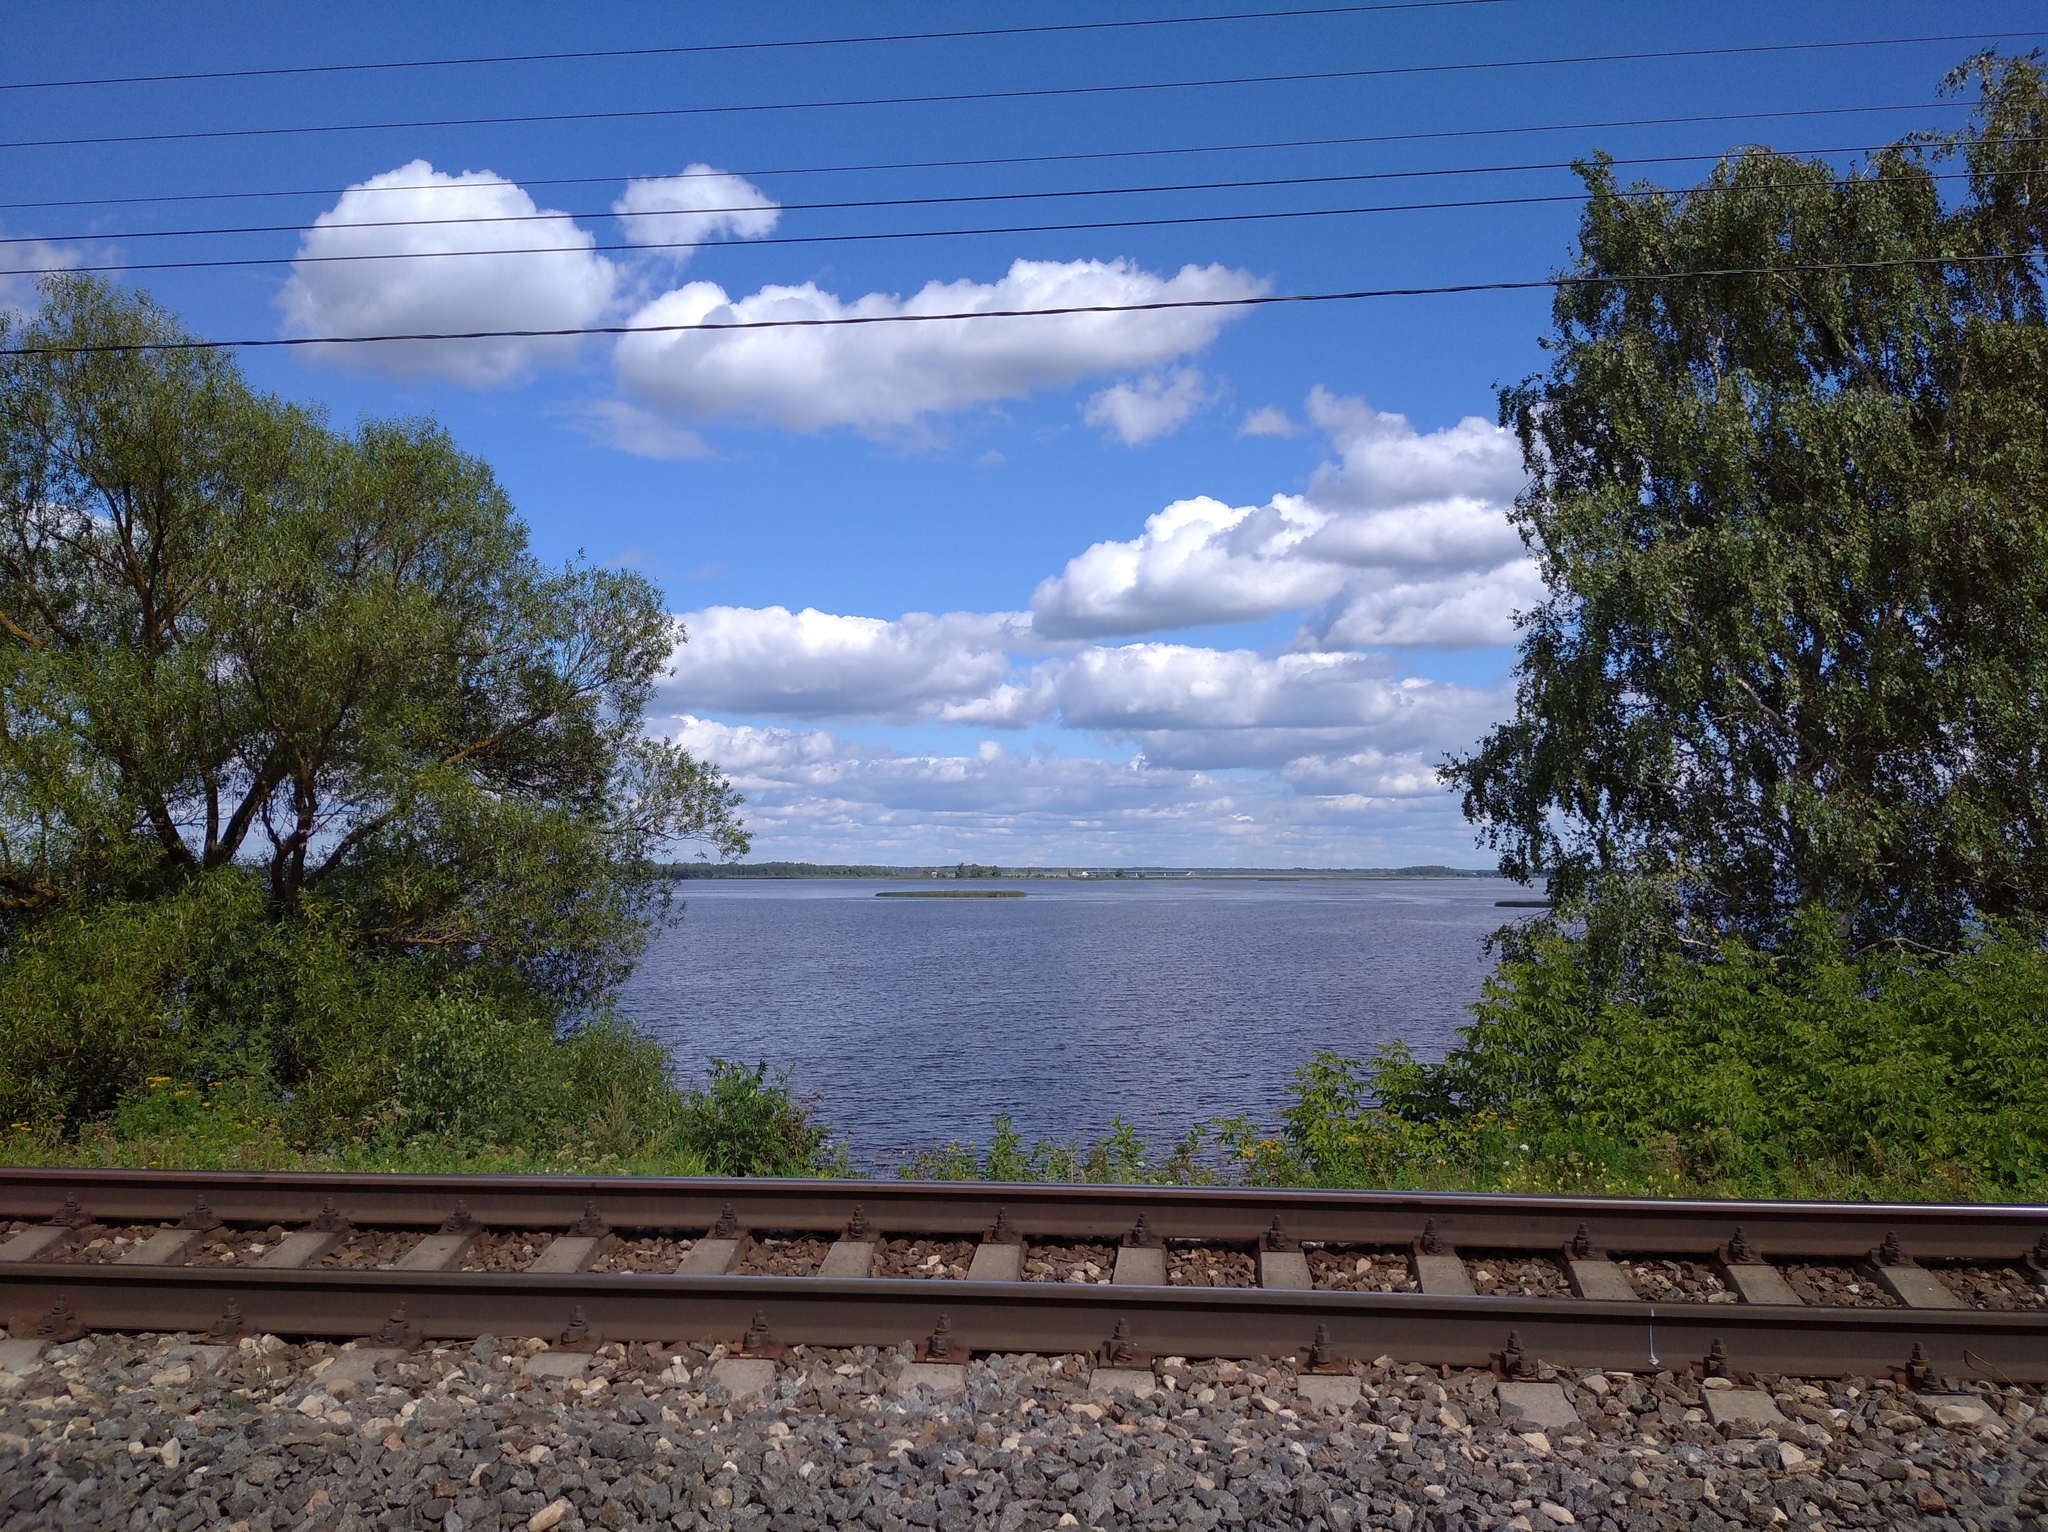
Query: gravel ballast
[{"x": 145, "y": 1432}]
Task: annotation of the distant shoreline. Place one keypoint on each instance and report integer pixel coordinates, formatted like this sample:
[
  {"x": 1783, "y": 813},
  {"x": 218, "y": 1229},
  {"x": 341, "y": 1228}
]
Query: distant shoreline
[
  {"x": 973, "y": 872},
  {"x": 951, "y": 893}
]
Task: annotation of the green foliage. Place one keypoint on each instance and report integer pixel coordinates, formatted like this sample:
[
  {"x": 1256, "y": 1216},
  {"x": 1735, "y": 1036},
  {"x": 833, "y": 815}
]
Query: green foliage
[
  {"x": 1765, "y": 1073},
  {"x": 238, "y": 639},
  {"x": 747, "y": 1122},
  {"x": 503, "y": 1100},
  {"x": 470, "y": 1074},
  {"x": 1208, "y": 1154},
  {"x": 1794, "y": 651},
  {"x": 166, "y": 1124},
  {"x": 316, "y": 788}
]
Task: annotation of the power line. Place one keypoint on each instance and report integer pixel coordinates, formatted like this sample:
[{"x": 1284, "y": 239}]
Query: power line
[
  {"x": 552, "y": 215},
  {"x": 229, "y": 262},
  {"x": 1030, "y": 159},
  {"x": 1034, "y": 94},
  {"x": 752, "y": 47},
  {"x": 595, "y": 247},
  {"x": 1266, "y": 300}
]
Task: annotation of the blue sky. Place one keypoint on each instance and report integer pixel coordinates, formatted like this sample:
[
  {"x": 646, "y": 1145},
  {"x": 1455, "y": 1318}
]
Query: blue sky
[{"x": 1173, "y": 588}]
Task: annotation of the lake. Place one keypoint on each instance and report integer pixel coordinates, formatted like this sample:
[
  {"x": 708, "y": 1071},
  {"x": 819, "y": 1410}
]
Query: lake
[{"x": 1164, "y": 1000}]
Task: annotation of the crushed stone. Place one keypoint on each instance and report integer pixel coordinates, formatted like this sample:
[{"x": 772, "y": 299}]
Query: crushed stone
[
  {"x": 1209, "y": 1266},
  {"x": 153, "y": 1431},
  {"x": 1835, "y": 1286},
  {"x": 941, "y": 1258},
  {"x": 1353, "y": 1269},
  {"x": 1069, "y": 1263}
]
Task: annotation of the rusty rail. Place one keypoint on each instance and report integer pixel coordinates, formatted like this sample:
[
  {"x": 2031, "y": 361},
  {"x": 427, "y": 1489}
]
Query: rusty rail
[
  {"x": 1216, "y": 1214},
  {"x": 54, "y": 1297}
]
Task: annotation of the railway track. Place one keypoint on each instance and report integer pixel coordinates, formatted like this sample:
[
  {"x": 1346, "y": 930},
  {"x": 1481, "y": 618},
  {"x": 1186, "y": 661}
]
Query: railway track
[{"x": 1124, "y": 1273}]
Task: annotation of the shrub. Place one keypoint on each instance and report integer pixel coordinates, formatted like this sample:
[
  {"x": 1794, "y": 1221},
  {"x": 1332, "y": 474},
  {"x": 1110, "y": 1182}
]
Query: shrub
[
  {"x": 1764, "y": 1073},
  {"x": 471, "y": 1075},
  {"x": 1207, "y": 1154},
  {"x": 747, "y": 1122}
]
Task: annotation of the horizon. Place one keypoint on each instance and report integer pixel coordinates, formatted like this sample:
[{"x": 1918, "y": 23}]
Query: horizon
[{"x": 992, "y": 872}]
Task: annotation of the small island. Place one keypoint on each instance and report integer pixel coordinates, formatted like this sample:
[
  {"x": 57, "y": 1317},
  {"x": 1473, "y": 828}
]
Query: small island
[{"x": 951, "y": 893}]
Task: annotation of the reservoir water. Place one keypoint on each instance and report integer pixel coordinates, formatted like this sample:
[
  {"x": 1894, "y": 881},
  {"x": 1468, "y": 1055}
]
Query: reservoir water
[{"x": 915, "y": 1021}]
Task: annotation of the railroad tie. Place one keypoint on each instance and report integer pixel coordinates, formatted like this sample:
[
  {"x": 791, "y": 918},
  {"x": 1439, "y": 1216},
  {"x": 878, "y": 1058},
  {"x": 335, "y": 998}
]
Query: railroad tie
[
  {"x": 569, "y": 1252},
  {"x": 301, "y": 1248},
  {"x": 1000, "y": 1255},
  {"x": 43, "y": 1243},
  {"x": 1762, "y": 1283},
  {"x": 166, "y": 1247},
  {"x": 720, "y": 1251},
  {"x": 1437, "y": 1266},
  {"x": 1907, "y": 1280},
  {"x": 1754, "y": 1279},
  {"x": 996, "y": 1264},
  {"x": 305, "y": 1246},
  {"x": 169, "y": 1247},
  {"x": 1592, "y": 1275},
  {"x": 580, "y": 1244},
  {"x": 444, "y": 1249},
  {"x": 1141, "y": 1258},
  {"x": 850, "y": 1258},
  {"x": 853, "y": 1253},
  {"x": 1281, "y": 1262}
]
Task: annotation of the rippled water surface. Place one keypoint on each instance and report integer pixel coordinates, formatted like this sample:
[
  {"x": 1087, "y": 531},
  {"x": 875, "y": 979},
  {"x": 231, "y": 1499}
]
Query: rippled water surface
[{"x": 919, "y": 1020}]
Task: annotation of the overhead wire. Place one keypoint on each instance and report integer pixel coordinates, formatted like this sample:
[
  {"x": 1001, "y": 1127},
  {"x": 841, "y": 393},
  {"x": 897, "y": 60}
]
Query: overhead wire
[
  {"x": 850, "y": 204},
  {"x": 613, "y": 247},
  {"x": 767, "y": 45},
  {"x": 1017, "y": 159},
  {"x": 871, "y": 237},
  {"x": 1030, "y": 94},
  {"x": 848, "y": 321}
]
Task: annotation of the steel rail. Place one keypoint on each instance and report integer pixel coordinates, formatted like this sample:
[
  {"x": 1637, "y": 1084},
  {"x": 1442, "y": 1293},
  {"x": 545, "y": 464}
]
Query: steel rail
[
  {"x": 1218, "y": 1215},
  {"x": 1046, "y": 1318}
]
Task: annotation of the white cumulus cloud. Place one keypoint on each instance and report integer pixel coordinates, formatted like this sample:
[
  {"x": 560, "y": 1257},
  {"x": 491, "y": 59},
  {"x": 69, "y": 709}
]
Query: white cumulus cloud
[
  {"x": 822, "y": 797},
  {"x": 1387, "y": 462},
  {"x": 888, "y": 377},
  {"x": 1197, "y": 562},
  {"x": 1269, "y": 421},
  {"x": 1192, "y": 706},
  {"x": 1368, "y": 773},
  {"x": 1419, "y": 522},
  {"x": 1183, "y": 704},
  {"x": 698, "y": 205},
  {"x": 1471, "y": 608},
  {"x": 628, "y": 428},
  {"x": 18, "y": 295},
  {"x": 1144, "y": 409},
  {"x": 813, "y": 664},
  {"x": 1403, "y": 539},
  {"x": 428, "y": 271}
]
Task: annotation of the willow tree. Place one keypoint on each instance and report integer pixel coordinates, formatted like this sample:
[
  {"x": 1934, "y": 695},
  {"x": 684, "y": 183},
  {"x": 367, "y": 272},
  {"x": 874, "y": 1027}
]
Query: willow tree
[
  {"x": 268, "y": 688},
  {"x": 1789, "y": 497}
]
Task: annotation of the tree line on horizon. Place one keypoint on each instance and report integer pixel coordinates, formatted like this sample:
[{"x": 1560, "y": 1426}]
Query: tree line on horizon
[{"x": 708, "y": 869}]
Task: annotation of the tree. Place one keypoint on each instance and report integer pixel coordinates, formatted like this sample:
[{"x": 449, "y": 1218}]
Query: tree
[
  {"x": 235, "y": 644},
  {"x": 1789, "y": 497}
]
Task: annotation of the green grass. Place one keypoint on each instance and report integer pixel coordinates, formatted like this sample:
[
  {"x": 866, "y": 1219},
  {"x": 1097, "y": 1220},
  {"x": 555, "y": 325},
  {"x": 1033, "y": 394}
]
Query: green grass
[
  {"x": 737, "y": 1121},
  {"x": 1381, "y": 1153},
  {"x": 1487, "y": 1159}
]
